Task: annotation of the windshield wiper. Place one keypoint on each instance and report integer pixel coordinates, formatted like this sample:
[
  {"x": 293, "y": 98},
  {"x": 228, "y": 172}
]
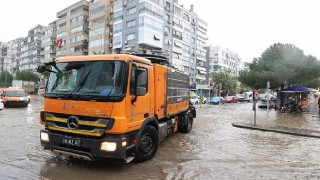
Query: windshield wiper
[{"x": 84, "y": 80}]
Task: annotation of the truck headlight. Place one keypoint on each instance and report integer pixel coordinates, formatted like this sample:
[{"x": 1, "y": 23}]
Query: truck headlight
[
  {"x": 23, "y": 99},
  {"x": 44, "y": 136},
  {"x": 108, "y": 146}
]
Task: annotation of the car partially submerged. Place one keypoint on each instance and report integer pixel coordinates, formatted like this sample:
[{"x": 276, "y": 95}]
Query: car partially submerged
[
  {"x": 14, "y": 97},
  {"x": 263, "y": 101},
  {"x": 216, "y": 100},
  {"x": 231, "y": 99}
]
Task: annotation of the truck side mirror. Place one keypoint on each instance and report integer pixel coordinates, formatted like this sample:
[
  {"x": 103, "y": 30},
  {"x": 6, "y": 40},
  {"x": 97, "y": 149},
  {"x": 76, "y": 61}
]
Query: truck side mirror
[{"x": 41, "y": 68}]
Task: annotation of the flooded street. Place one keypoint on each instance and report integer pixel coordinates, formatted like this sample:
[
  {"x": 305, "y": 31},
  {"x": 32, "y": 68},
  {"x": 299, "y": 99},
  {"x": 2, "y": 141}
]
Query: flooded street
[{"x": 214, "y": 149}]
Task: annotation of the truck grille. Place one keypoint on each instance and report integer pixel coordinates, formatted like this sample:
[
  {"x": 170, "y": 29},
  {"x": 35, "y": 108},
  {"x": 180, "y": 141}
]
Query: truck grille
[{"x": 82, "y": 125}]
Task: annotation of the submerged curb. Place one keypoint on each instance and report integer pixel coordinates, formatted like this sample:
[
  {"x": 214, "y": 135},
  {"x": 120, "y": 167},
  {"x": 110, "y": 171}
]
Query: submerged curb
[{"x": 278, "y": 129}]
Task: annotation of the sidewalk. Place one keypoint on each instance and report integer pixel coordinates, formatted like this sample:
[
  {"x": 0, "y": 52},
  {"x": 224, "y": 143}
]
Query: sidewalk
[
  {"x": 306, "y": 124},
  {"x": 279, "y": 129}
]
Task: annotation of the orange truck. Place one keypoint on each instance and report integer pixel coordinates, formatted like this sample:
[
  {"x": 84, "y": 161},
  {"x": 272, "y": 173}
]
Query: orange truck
[{"x": 118, "y": 106}]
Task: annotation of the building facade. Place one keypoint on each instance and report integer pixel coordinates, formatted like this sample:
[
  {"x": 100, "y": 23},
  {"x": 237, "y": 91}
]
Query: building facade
[
  {"x": 12, "y": 61},
  {"x": 164, "y": 26},
  {"x": 31, "y": 49},
  {"x": 72, "y": 30},
  {"x": 48, "y": 45},
  {"x": 100, "y": 27},
  {"x": 3, "y": 54},
  {"x": 224, "y": 60}
]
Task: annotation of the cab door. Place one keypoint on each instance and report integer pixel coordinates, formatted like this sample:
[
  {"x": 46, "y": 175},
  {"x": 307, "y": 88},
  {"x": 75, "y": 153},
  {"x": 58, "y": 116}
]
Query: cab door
[{"x": 140, "y": 95}]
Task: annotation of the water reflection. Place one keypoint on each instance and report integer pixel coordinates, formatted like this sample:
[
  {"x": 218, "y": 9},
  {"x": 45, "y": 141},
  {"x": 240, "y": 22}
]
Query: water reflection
[{"x": 64, "y": 168}]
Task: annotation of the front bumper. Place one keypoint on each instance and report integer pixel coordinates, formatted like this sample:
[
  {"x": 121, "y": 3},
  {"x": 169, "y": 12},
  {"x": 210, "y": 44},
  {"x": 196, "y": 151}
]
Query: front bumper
[
  {"x": 16, "y": 103},
  {"x": 89, "y": 148}
]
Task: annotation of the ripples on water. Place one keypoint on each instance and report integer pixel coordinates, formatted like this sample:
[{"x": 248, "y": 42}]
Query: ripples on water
[{"x": 214, "y": 149}]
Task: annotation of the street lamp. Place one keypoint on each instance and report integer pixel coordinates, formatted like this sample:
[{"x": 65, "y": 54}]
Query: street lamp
[{"x": 101, "y": 38}]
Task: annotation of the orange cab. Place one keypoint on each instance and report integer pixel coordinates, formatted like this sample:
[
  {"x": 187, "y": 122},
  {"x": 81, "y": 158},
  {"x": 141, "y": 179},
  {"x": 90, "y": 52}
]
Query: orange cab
[{"x": 14, "y": 97}]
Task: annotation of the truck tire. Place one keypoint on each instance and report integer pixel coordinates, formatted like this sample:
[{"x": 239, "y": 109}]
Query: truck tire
[
  {"x": 187, "y": 125},
  {"x": 147, "y": 145}
]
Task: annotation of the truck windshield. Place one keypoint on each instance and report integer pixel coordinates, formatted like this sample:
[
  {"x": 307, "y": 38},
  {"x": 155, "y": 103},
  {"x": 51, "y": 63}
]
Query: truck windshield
[{"x": 92, "y": 80}]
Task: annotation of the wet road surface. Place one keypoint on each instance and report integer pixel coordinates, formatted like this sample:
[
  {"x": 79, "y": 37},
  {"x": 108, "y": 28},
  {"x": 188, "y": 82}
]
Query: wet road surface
[{"x": 214, "y": 149}]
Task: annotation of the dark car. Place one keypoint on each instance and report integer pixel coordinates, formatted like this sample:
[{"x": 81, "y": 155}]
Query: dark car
[{"x": 216, "y": 100}]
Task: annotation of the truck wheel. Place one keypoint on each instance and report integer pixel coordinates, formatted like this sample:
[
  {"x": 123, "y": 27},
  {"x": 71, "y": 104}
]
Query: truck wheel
[
  {"x": 186, "y": 128},
  {"x": 148, "y": 144}
]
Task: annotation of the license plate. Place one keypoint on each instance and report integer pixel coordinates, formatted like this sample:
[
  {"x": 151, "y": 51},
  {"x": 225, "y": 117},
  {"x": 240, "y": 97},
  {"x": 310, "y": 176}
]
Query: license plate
[{"x": 72, "y": 141}]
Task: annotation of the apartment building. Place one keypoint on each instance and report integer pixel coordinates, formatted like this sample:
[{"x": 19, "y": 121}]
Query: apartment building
[
  {"x": 48, "y": 44},
  {"x": 12, "y": 61},
  {"x": 3, "y": 54},
  {"x": 72, "y": 30},
  {"x": 224, "y": 60},
  {"x": 162, "y": 26},
  {"x": 31, "y": 49},
  {"x": 100, "y": 27}
]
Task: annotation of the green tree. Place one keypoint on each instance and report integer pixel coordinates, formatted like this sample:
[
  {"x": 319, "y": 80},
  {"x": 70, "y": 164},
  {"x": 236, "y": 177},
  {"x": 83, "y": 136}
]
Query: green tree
[
  {"x": 5, "y": 79},
  {"x": 282, "y": 65},
  {"x": 26, "y": 75},
  {"x": 229, "y": 83}
]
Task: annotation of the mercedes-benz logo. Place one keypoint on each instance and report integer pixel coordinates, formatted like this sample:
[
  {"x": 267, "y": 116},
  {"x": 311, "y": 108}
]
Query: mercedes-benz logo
[{"x": 73, "y": 122}]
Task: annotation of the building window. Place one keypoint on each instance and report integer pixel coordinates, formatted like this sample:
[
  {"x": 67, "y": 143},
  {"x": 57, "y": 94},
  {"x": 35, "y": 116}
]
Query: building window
[
  {"x": 76, "y": 19},
  {"x": 62, "y": 25},
  {"x": 117, "y": 28},
  {"x": 147, "y": 22},
  {"x": 97, "y": 10},
  {"x": 117, "y": 40},
  {"x": 96, "y": 32},
  {"x": 131, "y": 37},
  {"x": 131, "y": 24},
  {"x": 76, "y": 29},
  {"x": 61, "y": 34},
  {"x": 95, "y": 43},
  {"x": 167, "y": 7},
  {"x": 167, "y": 17},
  {"x": 150, "y": 9},
  {"x": 193, "y": 40},
  {"x": 131, "y": 10}
]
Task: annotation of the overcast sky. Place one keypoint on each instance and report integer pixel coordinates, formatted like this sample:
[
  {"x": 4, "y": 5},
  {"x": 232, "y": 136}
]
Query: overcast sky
[{"x": 246, "y": 27}]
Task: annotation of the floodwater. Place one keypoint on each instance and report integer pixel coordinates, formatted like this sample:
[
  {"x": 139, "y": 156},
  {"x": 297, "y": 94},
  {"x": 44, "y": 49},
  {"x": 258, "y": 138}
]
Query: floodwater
[{"x": 214, "y": 149}]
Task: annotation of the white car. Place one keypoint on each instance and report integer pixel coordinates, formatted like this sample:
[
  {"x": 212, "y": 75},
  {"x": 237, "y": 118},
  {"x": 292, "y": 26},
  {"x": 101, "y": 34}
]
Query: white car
[
  {"x": 263, "y": 101},
  {"x": 1, "y": 105},
  {"x": 194, "y": 100}
]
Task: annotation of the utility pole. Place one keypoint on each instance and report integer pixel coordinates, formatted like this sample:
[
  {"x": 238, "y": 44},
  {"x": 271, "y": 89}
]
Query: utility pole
[
  {"x": 268, "y": 87},
  {"x": 208, "y": 100}
]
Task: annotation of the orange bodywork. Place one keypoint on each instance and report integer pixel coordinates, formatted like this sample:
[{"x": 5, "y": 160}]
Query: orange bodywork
[{"x": 128, "y": 117}]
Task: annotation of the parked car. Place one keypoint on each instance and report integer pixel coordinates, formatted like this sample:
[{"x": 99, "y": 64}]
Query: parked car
[
  {"x": 1, "y": 105},
  {"x": 194, "y": 99},
  {"x": 216, "y": 100},
  {"x": 230, "y": 99},
  {"x": 240, "y": 97},
  {"x": 13, "y": 97},
  {"x": 263, "y": 99},
  {"x": 247, "y": 96}
]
